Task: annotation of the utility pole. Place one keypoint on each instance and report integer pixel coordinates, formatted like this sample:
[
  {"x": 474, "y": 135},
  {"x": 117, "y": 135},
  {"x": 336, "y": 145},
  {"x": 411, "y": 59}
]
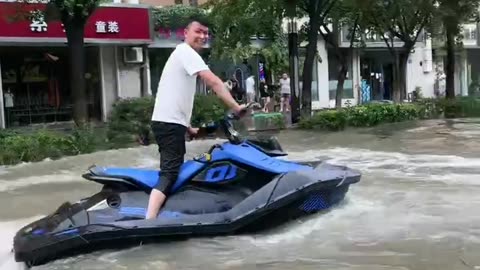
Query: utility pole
[{"x": 293, "y": 59}]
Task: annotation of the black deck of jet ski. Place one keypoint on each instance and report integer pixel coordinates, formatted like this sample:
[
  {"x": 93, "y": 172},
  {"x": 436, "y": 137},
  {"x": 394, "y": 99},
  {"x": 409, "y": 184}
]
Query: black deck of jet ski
[{"x": 286, "y": 197}]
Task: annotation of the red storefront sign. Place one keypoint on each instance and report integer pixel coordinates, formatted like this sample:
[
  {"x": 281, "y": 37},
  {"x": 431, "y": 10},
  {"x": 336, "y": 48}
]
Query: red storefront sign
[{"x": 108, "y": 24}]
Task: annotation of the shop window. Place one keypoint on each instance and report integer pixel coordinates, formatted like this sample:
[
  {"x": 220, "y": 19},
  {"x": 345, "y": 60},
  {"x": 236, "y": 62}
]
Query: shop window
[{"x": 36, "y": 85}]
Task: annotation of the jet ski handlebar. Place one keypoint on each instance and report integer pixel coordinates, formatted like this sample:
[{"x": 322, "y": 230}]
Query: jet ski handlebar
[
  {"x": 233, "y": 135},
  {"x": 235, "y": 116}
]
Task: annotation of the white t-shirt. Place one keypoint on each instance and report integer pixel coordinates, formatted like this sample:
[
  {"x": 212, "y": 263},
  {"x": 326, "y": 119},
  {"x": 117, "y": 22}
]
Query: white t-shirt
[
  {"x": 177, "y": 86},
  {"x": 250, "y": 85},
  {"x": 285, "y": 86}
]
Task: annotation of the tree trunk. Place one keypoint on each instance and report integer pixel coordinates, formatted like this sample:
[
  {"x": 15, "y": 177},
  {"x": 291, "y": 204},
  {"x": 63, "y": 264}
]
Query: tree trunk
[
  {"x": 306, "y": 110},
  {"x": 450, "y": 67},
  {"x": 76, "y": 52},
  {"x": 342, "y": 75},
  {"x": 402, "y": 73},
  {"x": 343, "y": 60},
  {"x": 397, "y": 79}
]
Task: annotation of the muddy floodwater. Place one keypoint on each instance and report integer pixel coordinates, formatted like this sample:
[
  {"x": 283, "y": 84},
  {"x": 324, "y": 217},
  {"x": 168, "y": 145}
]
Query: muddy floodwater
[{"x": 416, "y": 207}]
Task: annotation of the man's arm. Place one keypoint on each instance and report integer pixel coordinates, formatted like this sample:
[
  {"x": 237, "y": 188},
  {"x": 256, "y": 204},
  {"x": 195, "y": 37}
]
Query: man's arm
[{"x": 219, "y": 88}]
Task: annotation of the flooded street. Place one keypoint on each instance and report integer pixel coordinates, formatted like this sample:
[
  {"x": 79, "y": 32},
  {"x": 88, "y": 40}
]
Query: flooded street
[{"x": 416, "y": 207}]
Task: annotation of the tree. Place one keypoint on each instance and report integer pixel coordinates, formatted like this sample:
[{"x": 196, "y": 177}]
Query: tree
[
  {"x": 233, "y": 31},
  {"x": 401, "y": 20},
  {"x": 343, "y": 14},
  {"x": 317, "y": 12},
  {"x": 176, "y": 16},
  {"x": 74, "y": 15},
  {"x": 451, "y": 14},
  {"x": 237, "y": 21}
]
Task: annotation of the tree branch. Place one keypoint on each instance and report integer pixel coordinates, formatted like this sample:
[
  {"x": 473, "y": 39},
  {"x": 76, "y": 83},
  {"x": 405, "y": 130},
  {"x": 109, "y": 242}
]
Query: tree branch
[
  {"x": 405, "y": 25},
  {"x": 390, "y": 48},
  {"x": 329, "y": 6},
  {"x": 328, "y": 35},
  {"x": 355, "y": 24}
]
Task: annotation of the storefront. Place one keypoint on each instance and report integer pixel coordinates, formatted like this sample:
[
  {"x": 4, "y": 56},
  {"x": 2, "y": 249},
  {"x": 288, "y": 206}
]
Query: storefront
[{"x": 34, "y": 64}]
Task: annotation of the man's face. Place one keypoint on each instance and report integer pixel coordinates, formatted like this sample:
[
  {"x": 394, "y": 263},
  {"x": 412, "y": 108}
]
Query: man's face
[{"x": 196, "y": 35}]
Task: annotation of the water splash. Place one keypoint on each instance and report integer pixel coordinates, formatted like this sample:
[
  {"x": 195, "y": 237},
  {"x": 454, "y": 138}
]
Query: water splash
[{"x": 7, "y": 232}]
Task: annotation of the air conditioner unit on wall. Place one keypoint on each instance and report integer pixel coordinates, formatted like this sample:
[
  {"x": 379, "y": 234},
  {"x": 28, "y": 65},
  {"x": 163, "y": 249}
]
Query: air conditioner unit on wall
[{"x": 133, "y": 55}]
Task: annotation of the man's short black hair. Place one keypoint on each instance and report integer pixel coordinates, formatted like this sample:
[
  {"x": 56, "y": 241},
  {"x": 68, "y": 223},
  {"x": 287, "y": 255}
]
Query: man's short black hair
[{"x": 200, "y": 18}]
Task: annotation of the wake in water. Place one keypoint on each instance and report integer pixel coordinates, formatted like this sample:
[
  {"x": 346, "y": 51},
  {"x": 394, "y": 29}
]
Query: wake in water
[
  {"x": 400, "y": 198},
  {"x": 449, "y": 169},
  {"x": 8, "y": 229}
]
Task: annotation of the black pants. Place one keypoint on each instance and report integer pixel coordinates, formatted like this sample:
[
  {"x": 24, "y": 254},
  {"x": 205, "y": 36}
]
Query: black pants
[{"x": 171, "y": 145}]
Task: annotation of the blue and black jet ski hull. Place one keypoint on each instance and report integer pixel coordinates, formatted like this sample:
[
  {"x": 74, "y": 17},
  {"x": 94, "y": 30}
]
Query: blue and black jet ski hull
[
  {"x": 286, "y": 197},
  {"x": 228, "y": 192}
]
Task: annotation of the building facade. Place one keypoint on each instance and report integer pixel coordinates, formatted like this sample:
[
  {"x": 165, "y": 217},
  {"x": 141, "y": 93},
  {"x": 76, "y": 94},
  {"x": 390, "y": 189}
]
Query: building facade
[
  {"x": 370, "y": 71},
  {"x": 34, "y": 77},
  {"x": 125, "y": 58},
  {"x": 467, "y": 67}
]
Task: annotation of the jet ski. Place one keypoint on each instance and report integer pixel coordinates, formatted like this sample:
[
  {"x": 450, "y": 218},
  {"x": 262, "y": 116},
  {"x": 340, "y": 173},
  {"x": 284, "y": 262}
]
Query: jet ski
[{"x": 242, "y": 185}]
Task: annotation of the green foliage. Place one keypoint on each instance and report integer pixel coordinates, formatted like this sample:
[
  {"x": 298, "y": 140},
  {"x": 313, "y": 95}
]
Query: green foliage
[
  {"x": 430, "y": 108},
  {"x": 344, "y": 13},
  {"x": 372, "y": 115},
  {"x": 235, "y": 23},
  {"x": 231, "y": 45},
  {"x": 67, "y": 11},
  {"x": 78, "y": 9},
  {"x": 16, "y": 147},
  {"x": 452, "y": 13},
  {"x": 327, "y": 119},
  {"x": 176, "y": 16},
  {"x": 207, "y": 109},
  {"x": 375, "y": 114},
  {"x": 130, "y": 119},
  {"x": 268, "y": 121},
  {"x": 402, "y": 19},
  {"x": 85, "y": 140},
  {"x": 459, "y": 107},
  {"x": 4, "y": 133},
  {"x": 363, "y": 116}
]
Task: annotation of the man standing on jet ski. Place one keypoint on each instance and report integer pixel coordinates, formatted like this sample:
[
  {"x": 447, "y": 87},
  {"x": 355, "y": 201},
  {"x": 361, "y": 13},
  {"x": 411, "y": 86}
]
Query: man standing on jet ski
[{"x": 174, "y": 104}]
